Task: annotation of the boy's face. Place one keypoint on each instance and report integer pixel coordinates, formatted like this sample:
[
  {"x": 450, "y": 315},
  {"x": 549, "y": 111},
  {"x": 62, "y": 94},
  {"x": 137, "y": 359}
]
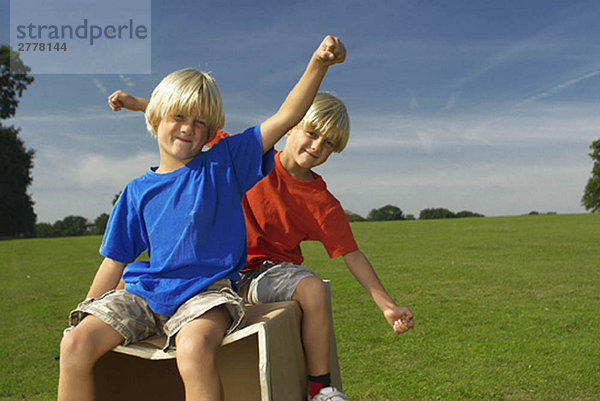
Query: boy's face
[
  {"x": 180, "y": 138},
  {"x": 308, "y": 148}
]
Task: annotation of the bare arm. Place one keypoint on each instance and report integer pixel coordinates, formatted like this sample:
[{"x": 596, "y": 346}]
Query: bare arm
[
  {"x": 399, "y": 317},
  {"x": 331, "y": 51},
  {"x": 119, "y": 99},
  {"x": 107, "y": 277}
]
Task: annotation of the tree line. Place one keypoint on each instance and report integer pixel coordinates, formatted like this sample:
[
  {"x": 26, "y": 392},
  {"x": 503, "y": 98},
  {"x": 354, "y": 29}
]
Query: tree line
[
  {"x": 391, "y": 212},
  {"x": 78, "y": 225},
  {"x": 72, "y": 226},
  {"x": 75, "y": 225}
]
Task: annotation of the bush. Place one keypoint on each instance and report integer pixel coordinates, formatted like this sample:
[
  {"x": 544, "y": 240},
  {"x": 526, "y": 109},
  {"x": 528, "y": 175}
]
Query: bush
[
  {"x": 442, "y": 213},
  {"x": 100, "y": 224},
  {"x": 388, "y": 212},
  {"x": 436, "y": 213},
  {"x": 71, "y": 226},
  {"x": 44, "y": 230},
  {"x": 466, "y": 213}
]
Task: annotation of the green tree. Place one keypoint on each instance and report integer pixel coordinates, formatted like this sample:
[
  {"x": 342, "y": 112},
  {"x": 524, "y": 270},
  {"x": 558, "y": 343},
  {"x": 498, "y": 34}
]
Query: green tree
[
  {"x": 16, "y": 207},
  {"x": 436, "y": 213},
  {"x": 12, "y": 84},
  {"x": 591, "y": 194},
  {"x": 71, "y": 226},
  {"x": 387, "y": 212},
  {"x": 116, "y": 198},
  {"x": 44, "y": 230},
  {"x": 16, "y": 161},
  {"x": 467, "y": 213},
  {"x": 100, "y": 224}
]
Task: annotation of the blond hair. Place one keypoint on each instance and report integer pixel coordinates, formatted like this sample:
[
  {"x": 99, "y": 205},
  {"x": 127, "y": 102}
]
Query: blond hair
[
  {"x": 328, "y": 116},
  {"x": 188, "y": 92}
]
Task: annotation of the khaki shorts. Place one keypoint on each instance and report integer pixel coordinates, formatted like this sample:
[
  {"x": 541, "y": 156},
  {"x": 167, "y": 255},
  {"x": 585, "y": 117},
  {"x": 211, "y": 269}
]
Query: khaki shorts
[
  {"x": 272, "y": 282},
  {"x": 131, "y": 316}
]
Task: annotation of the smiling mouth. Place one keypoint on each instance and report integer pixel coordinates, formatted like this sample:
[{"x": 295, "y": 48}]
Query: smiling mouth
[
  {"x": 311, "y": 154},
  {"x": 183, "y": 140}
]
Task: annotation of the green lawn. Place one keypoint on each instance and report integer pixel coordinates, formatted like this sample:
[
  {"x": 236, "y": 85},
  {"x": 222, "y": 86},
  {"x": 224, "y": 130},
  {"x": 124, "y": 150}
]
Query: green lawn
[{"x": 505, "y": 309}]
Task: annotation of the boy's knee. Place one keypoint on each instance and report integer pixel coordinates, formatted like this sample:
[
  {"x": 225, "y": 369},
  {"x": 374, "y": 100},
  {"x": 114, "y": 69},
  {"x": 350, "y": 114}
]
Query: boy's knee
[
  {"x": 311, "y": 291},
  {"x": 195, "y": 352},
  {"x": 69, "y": 343},
  {"x": 76, "y": 350}
]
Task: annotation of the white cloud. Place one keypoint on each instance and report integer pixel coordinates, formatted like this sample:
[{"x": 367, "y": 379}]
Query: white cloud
[
  {"x": 559, "y": 122},
  {"x": 559, "y": 88},
  {"x": 74, "y": 115},
  {"x": 491, "y": 190},
  {"x": 127, "y": 80},
  {"x": 67, "y": 182},
  {"x": 100, "y": 87},
  {"x": 101, "y": 171}
]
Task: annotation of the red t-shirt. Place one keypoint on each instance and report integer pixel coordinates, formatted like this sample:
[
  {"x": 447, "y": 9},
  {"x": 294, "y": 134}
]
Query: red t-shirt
[
  {"x": 218, "y": 136},
  {"x": 282, "y": 211}
]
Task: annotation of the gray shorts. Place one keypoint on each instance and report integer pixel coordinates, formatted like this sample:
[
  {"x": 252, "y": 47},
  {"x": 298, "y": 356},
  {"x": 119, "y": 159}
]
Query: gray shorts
[
  {"x": 272, "y": 282},
  {"x": 131, "y": 316}
]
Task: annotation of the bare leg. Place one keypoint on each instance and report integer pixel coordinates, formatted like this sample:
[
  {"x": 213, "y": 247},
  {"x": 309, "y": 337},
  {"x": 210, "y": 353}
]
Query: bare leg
[
  {"x": 197, "y": 343},
  {"x": 80, "y": 348},
  {"x": 311, "y": 294}
]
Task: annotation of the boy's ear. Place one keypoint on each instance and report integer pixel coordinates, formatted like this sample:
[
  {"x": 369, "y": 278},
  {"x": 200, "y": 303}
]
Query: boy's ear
[{"x": 155, "y": 129}]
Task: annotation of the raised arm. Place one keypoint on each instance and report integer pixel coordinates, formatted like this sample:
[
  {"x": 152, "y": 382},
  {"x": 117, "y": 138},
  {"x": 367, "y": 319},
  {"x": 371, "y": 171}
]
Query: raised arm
[
  {"x": 399, "y": 317},
  {"x": 331, "y": 51},
  {"x": 119, "y": 99}
]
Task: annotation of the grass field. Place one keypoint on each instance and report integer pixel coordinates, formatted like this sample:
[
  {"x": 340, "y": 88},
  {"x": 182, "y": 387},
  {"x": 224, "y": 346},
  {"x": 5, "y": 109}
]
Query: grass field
[{"x": 505, "y": 308}]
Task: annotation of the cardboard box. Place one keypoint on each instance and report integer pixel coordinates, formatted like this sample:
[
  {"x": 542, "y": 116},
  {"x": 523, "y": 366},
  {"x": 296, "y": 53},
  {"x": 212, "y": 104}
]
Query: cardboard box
[{"x": 264, "y": 361}]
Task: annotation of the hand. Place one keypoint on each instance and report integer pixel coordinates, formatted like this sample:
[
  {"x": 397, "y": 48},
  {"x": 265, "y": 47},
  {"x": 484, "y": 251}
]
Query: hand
[
  {"x": 400, "y": 318},
  {"x": 120, "y": 99},
  {"x": 330, "y": 51}
]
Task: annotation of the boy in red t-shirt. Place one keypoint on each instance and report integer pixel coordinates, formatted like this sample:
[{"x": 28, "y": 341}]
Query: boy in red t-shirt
[{"x": 290, "y": 205}]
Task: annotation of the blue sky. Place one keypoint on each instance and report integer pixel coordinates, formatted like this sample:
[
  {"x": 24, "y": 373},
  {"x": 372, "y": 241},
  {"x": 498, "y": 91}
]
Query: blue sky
[{"x": 488, "y": 106}]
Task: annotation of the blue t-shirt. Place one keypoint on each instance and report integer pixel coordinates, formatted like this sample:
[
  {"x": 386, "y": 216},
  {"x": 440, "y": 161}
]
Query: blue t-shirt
[{"x": 190, "y": 220}]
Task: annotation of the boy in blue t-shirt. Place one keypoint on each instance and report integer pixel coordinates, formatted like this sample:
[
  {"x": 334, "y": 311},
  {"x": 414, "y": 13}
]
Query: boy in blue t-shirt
[{"x": 187, "y": 214}]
